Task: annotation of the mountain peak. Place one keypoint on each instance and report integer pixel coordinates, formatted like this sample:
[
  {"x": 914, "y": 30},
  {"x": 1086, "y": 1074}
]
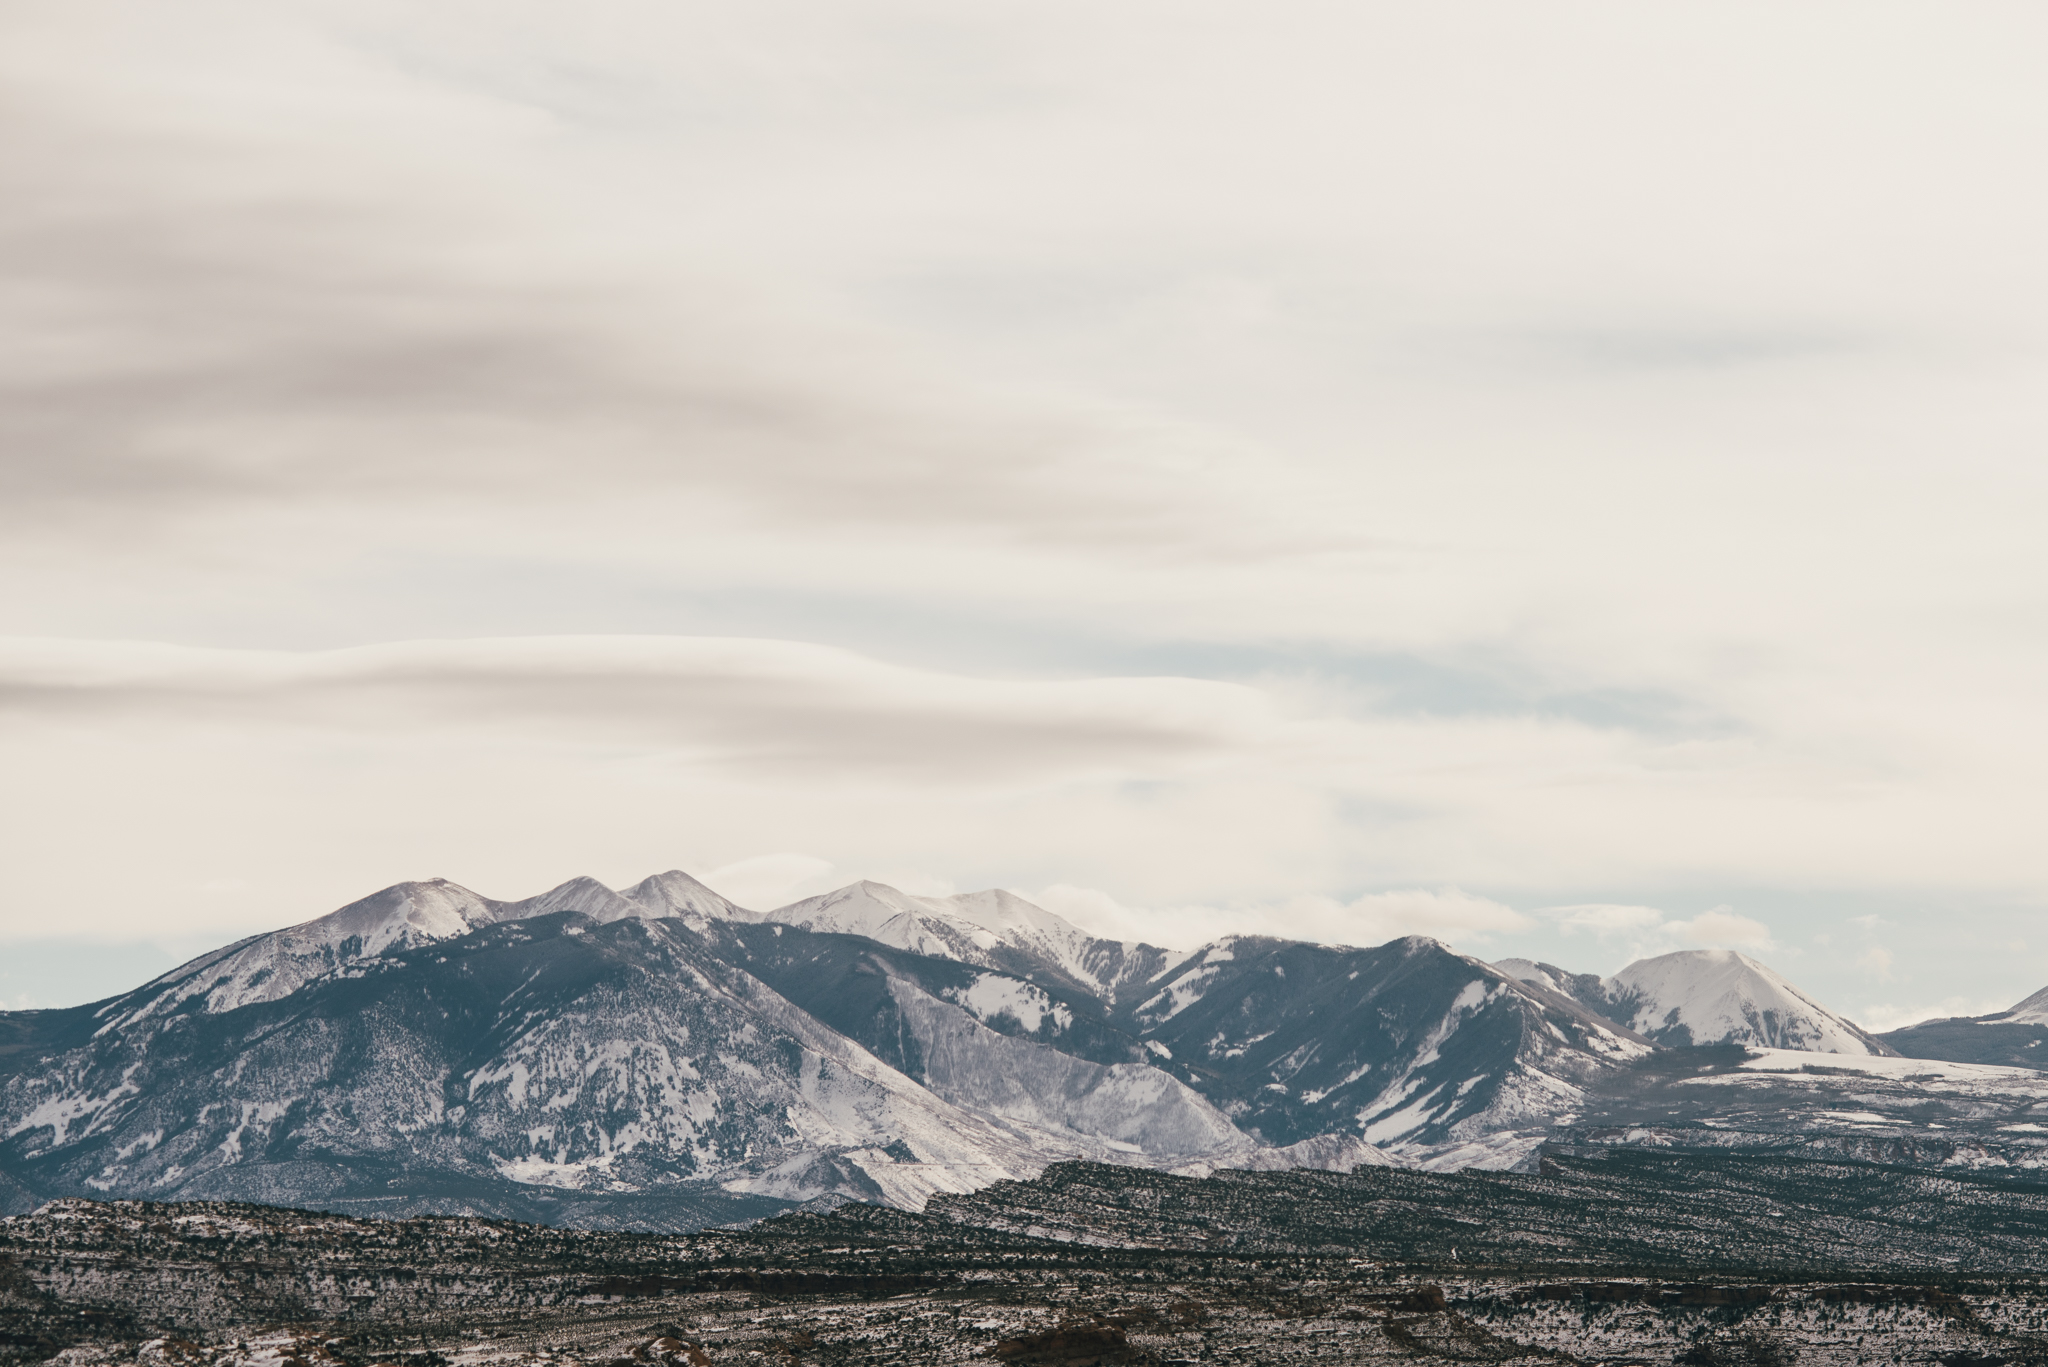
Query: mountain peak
[
  {"x": 1722, "y": 996},
  {"x": 992, "y": 928},
  {"x": 675, "y": 893},
  {"x": 581, "y": 894}
]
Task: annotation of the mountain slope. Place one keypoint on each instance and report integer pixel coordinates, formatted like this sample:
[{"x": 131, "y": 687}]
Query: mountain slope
[
  {"x": 1041, "y": 1054},
  {"x": 265, "y": 968},
  {"x": 559, "y": 1051},
  {"x": 401, "y": 917},
  {"x": 2032, "y": 1011},
  {"x": 1405, "y": 1044},
  {"x": 1294, "y": 1042},
  {"x": 1717, "y": 996},
  {"x": 994, "y": 929},
  {"x": 675, "y": 893},
  {"x": 2017, "y": 1037}
]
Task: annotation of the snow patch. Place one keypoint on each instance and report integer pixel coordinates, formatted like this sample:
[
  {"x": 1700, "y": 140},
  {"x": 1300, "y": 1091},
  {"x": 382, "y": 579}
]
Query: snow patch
[{"x": 993, "y": 994}]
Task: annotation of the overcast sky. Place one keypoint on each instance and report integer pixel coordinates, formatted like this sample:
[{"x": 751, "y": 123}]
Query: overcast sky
[{"x": 1565, "y": 478}]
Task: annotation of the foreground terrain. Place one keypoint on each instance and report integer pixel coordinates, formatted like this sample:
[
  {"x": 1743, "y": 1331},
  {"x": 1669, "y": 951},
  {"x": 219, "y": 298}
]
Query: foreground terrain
[{"x": 1638, "y": 1256}]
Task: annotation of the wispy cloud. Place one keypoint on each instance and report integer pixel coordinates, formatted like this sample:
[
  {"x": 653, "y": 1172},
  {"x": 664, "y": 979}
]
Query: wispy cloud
[{"x": 1462, "y": 919}]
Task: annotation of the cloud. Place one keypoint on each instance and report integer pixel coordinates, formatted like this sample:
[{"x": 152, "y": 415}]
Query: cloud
[
  {"x": 1448, "y": 914},
  {"x": 935, "y": 334},
  {"x": 1721, "y": 928},
  {"x": 1605, "y": 919},
  {"x": 393, "y": 337},
  {"x": 767, "y": 881},
  {"x": 1882, "y": 1016},
  {"x": 1445, "y": 913},
  {"x": 1877, "y": 962},
  {"x": 758, "y": 706},
  {"x": 1649, "y": 931}
]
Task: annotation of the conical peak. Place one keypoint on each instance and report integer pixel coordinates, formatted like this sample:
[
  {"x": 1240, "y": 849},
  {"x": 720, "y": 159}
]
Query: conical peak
[
  {"x": 582, "y": 894},
  {"x": 676, "y": 893}
]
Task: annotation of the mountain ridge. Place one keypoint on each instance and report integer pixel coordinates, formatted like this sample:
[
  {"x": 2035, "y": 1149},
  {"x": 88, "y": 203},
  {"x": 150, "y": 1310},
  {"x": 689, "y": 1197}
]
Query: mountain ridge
[{"x": 589, "y": 1052}]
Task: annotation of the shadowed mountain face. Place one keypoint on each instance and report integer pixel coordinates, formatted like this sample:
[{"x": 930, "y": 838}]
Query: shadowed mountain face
[
  {"x": 1406, "y": 1043},
  {"x": 2017, "y": 1037},
  {"x": 1968, "y": 1039}
]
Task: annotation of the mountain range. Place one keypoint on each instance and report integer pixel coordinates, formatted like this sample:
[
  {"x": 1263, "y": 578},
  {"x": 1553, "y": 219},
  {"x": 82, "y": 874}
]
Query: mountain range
[{"x": 656, "y": 1056}]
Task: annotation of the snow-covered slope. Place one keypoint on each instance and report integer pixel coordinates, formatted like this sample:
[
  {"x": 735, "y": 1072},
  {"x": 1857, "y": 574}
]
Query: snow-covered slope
[
  {"x": 1134, "y": 1106},
  {"x": 1039, "y": 1053},
  {"x": 275, "y": 965},
  {"x": 1717, "y": 996},
  {"x": 267, "y": 967},
  {"x": 675, "y": 893},
  {"x": 879, "y": 912},
  {"x": 994, "y": 929},
  {"x": 1105, "y": 967},
  {"x": 2032, "y": 1011},
  {"x": 557, "y": 1050}
]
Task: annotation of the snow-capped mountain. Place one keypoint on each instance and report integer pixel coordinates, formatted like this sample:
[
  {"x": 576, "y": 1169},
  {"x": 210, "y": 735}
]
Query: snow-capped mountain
[
  {"x": 555, "y": 1050},
  {"x": 657, "y": 1054},
  {"x": 1408, "y": 1044},
  {"x": 994, "y": 929},
  {"x": 675, "y": 893},
  {"x": 404, "y": 916},
  {"x": 1707, "y": 996}
]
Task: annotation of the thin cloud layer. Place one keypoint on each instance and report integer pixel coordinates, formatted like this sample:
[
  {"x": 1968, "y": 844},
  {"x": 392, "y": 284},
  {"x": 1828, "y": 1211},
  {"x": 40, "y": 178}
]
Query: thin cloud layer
[
  {"x": 759, "y": 708},
  {"x": 1468, "y": 922}
]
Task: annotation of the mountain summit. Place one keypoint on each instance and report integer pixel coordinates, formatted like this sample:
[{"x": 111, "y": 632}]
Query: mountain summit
[
  {"x": 995, "y": 929},
  {"x": 1707, "y": 996}
]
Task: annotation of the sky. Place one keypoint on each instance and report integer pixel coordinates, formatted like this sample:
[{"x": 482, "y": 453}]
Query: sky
[{"x": 1564, "y": 478}]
